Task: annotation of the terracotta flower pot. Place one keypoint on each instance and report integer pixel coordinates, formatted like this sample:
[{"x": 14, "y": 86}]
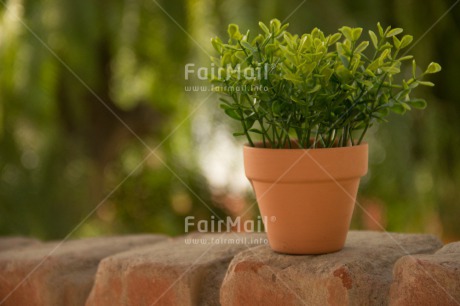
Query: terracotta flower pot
[{"x": 306, "y": 196}]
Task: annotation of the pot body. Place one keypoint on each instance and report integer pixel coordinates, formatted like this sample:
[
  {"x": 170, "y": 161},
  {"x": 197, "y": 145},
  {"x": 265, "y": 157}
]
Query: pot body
[{"x": 306, "y": 196}]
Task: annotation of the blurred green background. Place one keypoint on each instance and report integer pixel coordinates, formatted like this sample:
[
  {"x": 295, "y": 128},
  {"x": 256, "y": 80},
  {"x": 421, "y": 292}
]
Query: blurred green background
[{"x": 69, "y": 70}]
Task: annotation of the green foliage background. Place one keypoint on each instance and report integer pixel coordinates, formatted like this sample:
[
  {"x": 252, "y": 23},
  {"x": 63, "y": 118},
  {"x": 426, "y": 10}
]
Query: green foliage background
[{"x": 62, "y": 152}]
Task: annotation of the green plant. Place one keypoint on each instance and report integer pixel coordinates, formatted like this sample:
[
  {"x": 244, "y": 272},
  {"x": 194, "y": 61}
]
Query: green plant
[{"x": 321, "y": 91}]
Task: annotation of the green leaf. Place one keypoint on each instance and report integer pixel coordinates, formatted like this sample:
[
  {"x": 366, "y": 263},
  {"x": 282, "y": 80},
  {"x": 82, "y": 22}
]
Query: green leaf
[
  {"x": 433, "y": 68},
  {"x": 343, "y": 74},
  {"x": 226, "y": 59},
  {"x": 374, "y": 39},
  {"x": 314, "y": 89},
  {"x": 307, "y": 68},
  {"x": 347, "y": 32},
  {"x": 292, "y": 77},
  {"x": 342, "y": 52},
  {"x": 406, "y": 40},
  {"x": 405, "y": 105},
  {"x": 248, "y": 46},
  {"x": 417, "y": 103},
  {"x": 275, "y": 25},
  {"x": 227, "y": 46},
  {"x": 297, "y": 100},
  {"x": 398, "y": 109},
  {"x": 385, "y": 111},
  {"x": 383, "y": 56},
  {"x": 396, "y": 42},
  {"x": 366, "y": 83},
  {"x": 369, "y": 73},
  {"x": 233, "y": 31},
  {"x": 264, "y": 27},
  {"x": 276, "y": 108},
  {"x": 373, "y": 66},
  {"x": 232, "y": 114},
  {"x": 356, "y": 62},
  {"x": 327, "y": 73},
  {"x": 271, "y": 48},
  {"x": 334, "y": 38},
  {"x": 340, "y": 49},
  {"x": 249, "y": 122},
  {"x": 380, "y": 29},
  {"x": 284, "y": 27},
  {"x": 356, "y": 33},
  {"x": 405, "y": 86},
  {"x": 226, "y": 105},
  {"x": 426, "y": 83},
  {"x": 291, "y": 41},
  {"x": 404, "y": 58},
  {"x": 303, "y": 42},
  {"x": 217, "y": 44},
  {"x": 257, "y": 131},
  {"x": 348, "y": 87},
  {"x": 258, "y": 40},
  {"x": 394, "y": 32},
  {"x": 414, "y": 69},
  {"x": 240, "y": 55},
  {"x": 414, "y": 84},
  {"x": 391, "y": 70},
  {"x": 385, "y": 46},
  {"x": 362, "y": 46},
  {"x": 347, "y": 47},
  {"x": 239, "y": 134}
]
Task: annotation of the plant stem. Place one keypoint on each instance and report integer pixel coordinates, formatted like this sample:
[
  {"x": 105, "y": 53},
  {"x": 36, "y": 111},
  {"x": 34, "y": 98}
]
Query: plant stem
[
  {"x": 316, "y": 137},
  {"x": 329, "y": 140},
  {"x": 243, "y": 123},
  {"x": 261, "y": 122},
  {"x": 363, "y": 133},
  {"x": 351, "y": 136},
  {"x": 246, "y": 130},
  {"x": 346, "y": 136}
]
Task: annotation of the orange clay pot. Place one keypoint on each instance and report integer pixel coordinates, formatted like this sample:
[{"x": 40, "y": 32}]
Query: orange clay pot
[{"x": 306, "y": 197}]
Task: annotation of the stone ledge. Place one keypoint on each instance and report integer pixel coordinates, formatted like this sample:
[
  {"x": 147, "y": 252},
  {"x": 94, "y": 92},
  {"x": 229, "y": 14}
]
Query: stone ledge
[
  {"x": 360, "y": 274},
  {"x": 428, "y": 279},
  {"x": 56, "y": 274},
  {"x": 169, "y": 273},
  {"x": 16, "y": 242},
  {"x": 212, "y": 270}
]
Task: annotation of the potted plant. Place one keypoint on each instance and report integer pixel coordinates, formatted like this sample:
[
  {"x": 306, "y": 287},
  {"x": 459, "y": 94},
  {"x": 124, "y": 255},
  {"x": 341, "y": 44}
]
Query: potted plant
[{"x": 304, "y": 104}]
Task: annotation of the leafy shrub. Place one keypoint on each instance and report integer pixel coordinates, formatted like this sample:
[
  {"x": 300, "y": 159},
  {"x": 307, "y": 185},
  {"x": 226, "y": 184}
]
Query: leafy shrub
[{"x": 321, "y": 91}]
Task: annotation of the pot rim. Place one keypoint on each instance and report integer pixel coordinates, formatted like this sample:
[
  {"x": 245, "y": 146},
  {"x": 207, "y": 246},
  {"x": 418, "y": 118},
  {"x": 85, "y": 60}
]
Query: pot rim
[
  {"x": 297, "y": 165},
  {"x": 247, "y": 146}
]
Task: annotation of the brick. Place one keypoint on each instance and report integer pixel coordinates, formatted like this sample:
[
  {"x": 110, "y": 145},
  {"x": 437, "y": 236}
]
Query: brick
[
  {"x": 169, "y": 273},
  {"x": 428, "y": 279},
  {"x": 7, "y": 243},
  {"x": 360, "y": 274},
  {"x": 54, "y": 274}
]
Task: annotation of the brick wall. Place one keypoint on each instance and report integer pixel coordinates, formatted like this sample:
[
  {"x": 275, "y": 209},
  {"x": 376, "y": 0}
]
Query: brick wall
[{"x": 228, "y": 269}]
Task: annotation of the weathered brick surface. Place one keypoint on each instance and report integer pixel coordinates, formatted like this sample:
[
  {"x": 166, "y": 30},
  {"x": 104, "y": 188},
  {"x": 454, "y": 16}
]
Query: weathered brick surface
[
  {"x": 373, "y": 269},
  {"x": 58, "y": 274},
  {"x": 360, "y": 274},
  {"x": 169, "y": 273},
  {"x": 428, "y": 279},
  {"x": 7, "y": 243}
]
